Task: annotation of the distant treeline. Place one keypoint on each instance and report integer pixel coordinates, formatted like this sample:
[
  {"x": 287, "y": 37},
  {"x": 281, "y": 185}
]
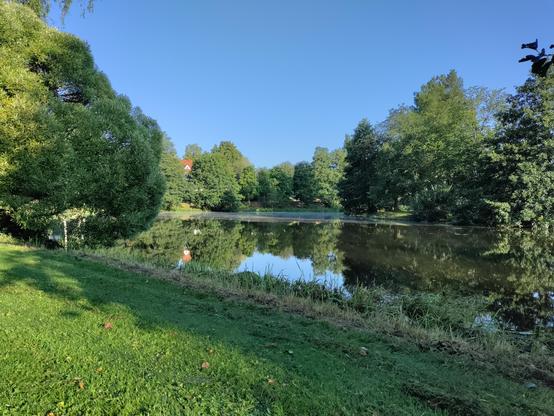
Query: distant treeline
[
  {"x": 471, "y": 156},
  {"x": 223, "y": 179}
]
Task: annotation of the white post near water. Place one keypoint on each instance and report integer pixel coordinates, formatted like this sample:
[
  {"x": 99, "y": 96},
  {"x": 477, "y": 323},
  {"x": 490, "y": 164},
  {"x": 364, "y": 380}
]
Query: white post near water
[{"x": 65, "y": 233}]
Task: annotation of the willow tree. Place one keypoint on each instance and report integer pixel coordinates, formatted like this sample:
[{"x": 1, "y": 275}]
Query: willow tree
[
  {"x": 42, "y": 7},
  {"x": 68, "y": 142}
]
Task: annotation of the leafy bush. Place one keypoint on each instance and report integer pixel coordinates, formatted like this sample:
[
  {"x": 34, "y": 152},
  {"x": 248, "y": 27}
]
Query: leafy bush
[
  {"x": 432, "y": 204},
  {"x": 230, "y": 201}
]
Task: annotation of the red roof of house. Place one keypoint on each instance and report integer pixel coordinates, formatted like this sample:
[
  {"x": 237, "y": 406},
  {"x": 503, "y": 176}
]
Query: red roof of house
[{"x": 187, "y": 164}]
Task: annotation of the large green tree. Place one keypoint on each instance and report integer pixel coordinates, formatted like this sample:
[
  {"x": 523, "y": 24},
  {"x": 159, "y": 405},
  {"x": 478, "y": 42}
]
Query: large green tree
[
  {"x": 174, "y": 175},
  {"x": 359, "y": 173},
  {"x": 193, "y": 151},
  {"x": 275, "y": 185},
  {"x": 303, "y": 182},
  {"x": 233, "y": 156},
  {"x": 435, "y": 144},
  {"x": 215, "y": 185},
  {"x": 241, "y": 167},
  {"x": 248, "y": 183},
  {"x": 328, "y": 171},
  {"x": 68, "y": 142},
  {"x": 519, "y": 183},
  {"x": 281, "y": 177},
  {"x": 264, "y": 186}
]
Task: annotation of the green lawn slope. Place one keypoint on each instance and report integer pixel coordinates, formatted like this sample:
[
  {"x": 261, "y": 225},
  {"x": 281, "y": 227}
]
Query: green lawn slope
[{"x": 81, "y": 338}]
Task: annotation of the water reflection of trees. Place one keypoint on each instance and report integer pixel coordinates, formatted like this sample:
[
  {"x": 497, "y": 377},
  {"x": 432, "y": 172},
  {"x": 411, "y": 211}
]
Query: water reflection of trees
[
  {"x": 420, "y": 258},
  {"x": 314, "y": 242},
  {"x": 219, "y": 244},
  {"x": 527, "y": 300},
  {"x": 224, "y": 244},
  {"x": 513, "y": 269}
]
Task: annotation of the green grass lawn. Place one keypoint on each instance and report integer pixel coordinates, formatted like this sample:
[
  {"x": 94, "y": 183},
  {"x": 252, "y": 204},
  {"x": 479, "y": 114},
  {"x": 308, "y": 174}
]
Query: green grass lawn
[{"x": 57, "y": 355}]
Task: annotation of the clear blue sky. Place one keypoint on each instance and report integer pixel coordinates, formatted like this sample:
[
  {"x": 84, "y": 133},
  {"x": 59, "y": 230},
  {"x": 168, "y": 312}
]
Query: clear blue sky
[{"x": 279, "y": 78}]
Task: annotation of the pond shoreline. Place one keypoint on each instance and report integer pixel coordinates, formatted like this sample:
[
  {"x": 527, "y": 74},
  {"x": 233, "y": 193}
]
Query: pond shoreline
[
  {"x": 308, "y": 217},
  {"x": 508, "y": 270},
  {"x": 430, "y": 321}
]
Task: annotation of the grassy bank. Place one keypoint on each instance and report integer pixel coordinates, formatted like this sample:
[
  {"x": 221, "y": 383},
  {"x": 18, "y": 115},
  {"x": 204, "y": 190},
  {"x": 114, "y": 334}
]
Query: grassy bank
[{"x": 83, "y": 337}]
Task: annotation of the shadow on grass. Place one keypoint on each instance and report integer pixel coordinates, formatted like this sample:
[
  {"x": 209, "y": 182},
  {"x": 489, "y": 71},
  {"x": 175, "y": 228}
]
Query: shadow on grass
[{"x": 325, "y": 370}]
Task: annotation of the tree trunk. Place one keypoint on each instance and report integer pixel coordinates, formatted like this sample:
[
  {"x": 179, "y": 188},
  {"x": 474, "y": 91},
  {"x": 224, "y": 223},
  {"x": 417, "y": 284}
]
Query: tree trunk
[{"x": 65, "y": 234}]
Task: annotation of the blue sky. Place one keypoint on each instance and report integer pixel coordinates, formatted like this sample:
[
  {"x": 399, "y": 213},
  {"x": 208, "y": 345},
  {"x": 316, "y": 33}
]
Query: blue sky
[{"x": 279, "y": 78}]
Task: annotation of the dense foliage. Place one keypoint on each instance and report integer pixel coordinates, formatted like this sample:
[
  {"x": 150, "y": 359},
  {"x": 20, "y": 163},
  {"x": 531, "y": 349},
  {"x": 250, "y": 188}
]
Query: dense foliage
[
  {"x": 233, "y": 180},
  {"x": 447, "y": 158},
  {"x": 328, "y": 170},
  {"x": 278, "y": 186},
  {"x": 215, "y": 186},
  {"x": 175, "y": 179},
  {"x": 70, "y": 147},
  {"x": 361, "y": 152},
  {"x": 302, "y": 182},
  {"x": 520, "y": 181}
]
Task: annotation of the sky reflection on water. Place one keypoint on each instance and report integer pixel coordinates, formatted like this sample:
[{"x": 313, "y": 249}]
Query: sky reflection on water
[{"x": 513, "y": 270}]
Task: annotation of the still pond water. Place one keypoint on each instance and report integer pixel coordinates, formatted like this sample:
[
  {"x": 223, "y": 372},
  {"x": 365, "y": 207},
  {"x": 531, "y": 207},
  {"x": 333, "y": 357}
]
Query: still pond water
[{"x": 513, "y": 270}]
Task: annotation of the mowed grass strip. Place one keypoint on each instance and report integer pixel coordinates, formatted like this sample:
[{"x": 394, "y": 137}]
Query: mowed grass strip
[{"x": 79, "y": 337}]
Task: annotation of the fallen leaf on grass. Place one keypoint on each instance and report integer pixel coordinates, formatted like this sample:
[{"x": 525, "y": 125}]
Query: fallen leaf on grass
[
  {"x": 205, "y": 365},
  {"x": 271, "y": 381},
  {"x": 108, "y": 325}
]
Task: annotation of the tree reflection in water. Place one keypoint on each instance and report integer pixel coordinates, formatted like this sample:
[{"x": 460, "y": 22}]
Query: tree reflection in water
[{"x": 513, "y": 270}]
